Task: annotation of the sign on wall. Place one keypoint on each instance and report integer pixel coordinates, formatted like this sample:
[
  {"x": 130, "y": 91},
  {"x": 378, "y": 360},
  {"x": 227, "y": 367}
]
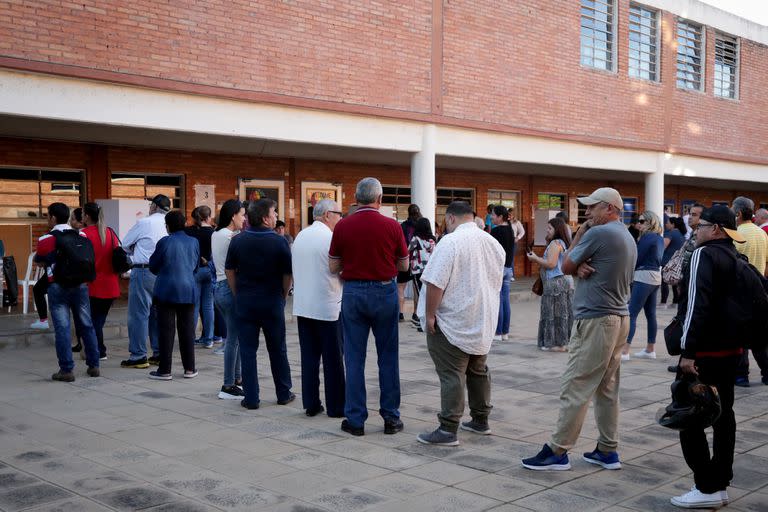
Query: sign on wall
[{"x": 205, "y": 195}]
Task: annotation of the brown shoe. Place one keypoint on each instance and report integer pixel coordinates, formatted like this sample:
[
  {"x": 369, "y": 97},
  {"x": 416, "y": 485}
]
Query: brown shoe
[
  {"x": 93, "y": 372},
  {"x": 63, "y": 376}
]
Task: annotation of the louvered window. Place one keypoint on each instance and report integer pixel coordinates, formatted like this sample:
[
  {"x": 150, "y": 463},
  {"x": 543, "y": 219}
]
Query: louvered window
[
  {"x": 643, "y": 43},
  {"x": 726, "y": 65},
  {"x": 690, "y": 67},
  {"x": 597, "y": 33}
]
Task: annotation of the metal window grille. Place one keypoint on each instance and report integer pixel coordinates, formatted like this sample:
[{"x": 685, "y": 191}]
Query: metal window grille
[
  {"x": 597, "y": 33},
  {"x": 27, "y": 192},
  {"x": 143, "y": 185},
  {"x": 689, "y": 55},
  {"x": 726, "y": 64},
  {"x": 643, "y": 43}
]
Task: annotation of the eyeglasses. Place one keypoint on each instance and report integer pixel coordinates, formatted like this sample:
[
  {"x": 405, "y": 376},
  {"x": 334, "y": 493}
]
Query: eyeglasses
[
  {"x": 641, "y": 221},
  {"x": 703, "y": 224},
  {"x": 338, "y": 213}
]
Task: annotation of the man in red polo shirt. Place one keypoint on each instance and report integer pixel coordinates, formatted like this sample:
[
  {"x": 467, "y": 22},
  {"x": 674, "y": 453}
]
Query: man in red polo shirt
[{"x": 368, "y": 249}]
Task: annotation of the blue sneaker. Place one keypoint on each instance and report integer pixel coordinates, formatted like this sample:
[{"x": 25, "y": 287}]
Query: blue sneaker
[
  {"x": 546, "y": 460},
  {"x": 608, "y": 460}
]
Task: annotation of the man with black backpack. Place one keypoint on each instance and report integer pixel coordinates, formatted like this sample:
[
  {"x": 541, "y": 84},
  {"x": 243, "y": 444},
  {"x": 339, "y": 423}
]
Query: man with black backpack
[
  {"x": 70, "y": 265},
  {"x": 722, "y": 299}
]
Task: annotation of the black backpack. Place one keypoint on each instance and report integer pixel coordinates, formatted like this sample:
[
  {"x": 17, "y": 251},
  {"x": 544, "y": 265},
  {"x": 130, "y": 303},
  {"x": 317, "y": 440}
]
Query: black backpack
[
  {"x": 746, "y": 304},
  {"x": 75, "y": 259}
]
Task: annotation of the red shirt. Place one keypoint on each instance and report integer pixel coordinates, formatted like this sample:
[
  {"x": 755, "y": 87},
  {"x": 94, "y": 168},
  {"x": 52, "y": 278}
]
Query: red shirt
[
  {"x": 369, "y": 246},
  {"x": 106, "y": 285}
]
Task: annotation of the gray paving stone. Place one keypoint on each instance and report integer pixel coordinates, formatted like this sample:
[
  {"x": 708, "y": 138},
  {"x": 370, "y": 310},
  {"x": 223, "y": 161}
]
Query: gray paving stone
[
  {"x": 31, "y": 495},
  {"x": 444, "y": 500},
  {"x": 444, "y": 472},
  {"x": 551, "y": 500},
  {"x": 135, "y": 498},
  {"x": 10, "y": 479},
  {"x": 71, "y": 505},
  {"x": 348, "y": 499},
  {"x": 199, "y": 483},
  {"x": 243, "y": 498},
  {"x": 500, "y": 487},
  {"x": 399, "y": 485},
  {"x": 181, "y": 506}
]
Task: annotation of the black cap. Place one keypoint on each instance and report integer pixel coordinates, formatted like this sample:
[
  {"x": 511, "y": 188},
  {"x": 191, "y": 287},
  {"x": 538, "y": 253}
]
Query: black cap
[
  {"x": 162, "y": 202},
  {"x": 725, "y": 218}
]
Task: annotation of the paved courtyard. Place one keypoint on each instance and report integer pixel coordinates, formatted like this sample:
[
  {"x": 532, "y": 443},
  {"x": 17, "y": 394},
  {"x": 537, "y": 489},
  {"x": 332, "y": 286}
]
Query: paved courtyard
[{"x": 124, "y": 442}]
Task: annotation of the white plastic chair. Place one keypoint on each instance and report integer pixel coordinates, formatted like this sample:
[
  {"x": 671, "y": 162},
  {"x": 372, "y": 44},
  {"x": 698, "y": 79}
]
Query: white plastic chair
[{"x": 30, "y": 279}]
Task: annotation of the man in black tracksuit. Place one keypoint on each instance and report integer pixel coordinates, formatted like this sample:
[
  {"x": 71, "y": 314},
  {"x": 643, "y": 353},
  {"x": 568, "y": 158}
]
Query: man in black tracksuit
[{"x": 710, "y": 351}]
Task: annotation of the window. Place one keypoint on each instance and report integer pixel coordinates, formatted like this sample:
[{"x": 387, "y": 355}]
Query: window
[
  {"x": 28, "y": 192},
  {"x": 643, "y": 43},
  {"x": 142, "y": 186},
  {"x": 581, "y": 216},
  {"x": 630, "y": 209},
  {"x": 726, "y": 65},
  {"x": 669, "y": 206},
  {"x": 508, "y": 198},
  {"x": 764, "y": 206},
  {"x": 399, "y": 198},
  {"x": 690, "y": 67},
  {"x": 547, "y": 201},
  {"x": 446, "y": 196},
  {"x": 686, "y": 205},
  {"x": 597, "y": 34}
]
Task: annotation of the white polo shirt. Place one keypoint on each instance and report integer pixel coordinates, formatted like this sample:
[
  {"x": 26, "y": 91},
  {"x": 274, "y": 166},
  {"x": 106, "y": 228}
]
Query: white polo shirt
[
  {"x": 316, "y": 292},
  {"x": 468, "y": 265}
]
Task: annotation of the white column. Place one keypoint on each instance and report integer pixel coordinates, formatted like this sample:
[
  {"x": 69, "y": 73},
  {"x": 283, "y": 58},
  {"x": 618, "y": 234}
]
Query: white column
[
  {"x": 423, "y": 191},
  {"x": 654, "y": 186}
]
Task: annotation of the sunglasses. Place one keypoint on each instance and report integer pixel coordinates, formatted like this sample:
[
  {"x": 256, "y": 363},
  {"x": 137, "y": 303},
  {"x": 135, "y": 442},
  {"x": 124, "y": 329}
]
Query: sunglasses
[{"x": 641, "y": 221}]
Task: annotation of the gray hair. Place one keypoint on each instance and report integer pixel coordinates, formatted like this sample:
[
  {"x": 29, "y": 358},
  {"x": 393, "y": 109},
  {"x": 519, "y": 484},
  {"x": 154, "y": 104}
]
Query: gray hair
[
  {"x": 323, "y": 206},
  {"x": 368, "y": 190},
  {"x": 761, "y": 214},
  {"x": 745, "y": 206}
]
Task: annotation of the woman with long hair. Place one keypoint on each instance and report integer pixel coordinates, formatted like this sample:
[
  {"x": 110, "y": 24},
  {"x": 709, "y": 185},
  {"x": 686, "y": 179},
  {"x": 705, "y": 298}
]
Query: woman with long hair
[
  {"x": 674, "y": 239},
  {"x": 204, "y": 276},
  {"x": 505, "y": 235},
  {"x": 103, "y": 290},
  {"x": 556, "y": 318},
  {"x": 230, "y": 222},
  {"x": 645, "y": 285},
  {"x": 419, "y": 250}
]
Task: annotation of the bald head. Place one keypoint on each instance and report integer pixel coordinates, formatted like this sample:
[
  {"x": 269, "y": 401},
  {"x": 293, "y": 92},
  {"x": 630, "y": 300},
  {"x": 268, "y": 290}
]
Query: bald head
[{"x": 761, "y": 216}]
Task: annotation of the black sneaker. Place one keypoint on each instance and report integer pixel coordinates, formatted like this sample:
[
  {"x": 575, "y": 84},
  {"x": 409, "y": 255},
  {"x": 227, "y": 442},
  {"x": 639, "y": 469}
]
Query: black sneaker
[
  {"x": 478, "y": 427},
  {"x": 78, "y": 347},
  {"x": 401, "y": 318},
  {"x": 154, "y": 360},
  {"x": 93, "y": 372},
  {"x": 314, "y": 412},
  {"x": 135, "y": 363},
  {"x": 414, "y": 318},
  {"x": 63, "y": 376},
  {"x": 355, "y": 431},
  {"x": 288, "y": 400},
  {"x": 393, "y": 426},
  {"x": 673, "y": 368},
  {"x": 742, "y": 382},
  {"x": 249, "y": 406},
  {"x": 230, "y": 393},
  {"x": 156, "y": 375}
]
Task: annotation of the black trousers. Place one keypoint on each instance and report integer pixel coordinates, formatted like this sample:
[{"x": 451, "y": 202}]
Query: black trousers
[
  {"x": 665, "y": 293},
  {"x": 170, "y": 318},
  {"x": 99, "y": 312},
  {"x": 761, "y": 357},
  {"x": 714, "y": 472},
  {"x": 318, "y": 340},
  {"x": 39, "y": 290}
]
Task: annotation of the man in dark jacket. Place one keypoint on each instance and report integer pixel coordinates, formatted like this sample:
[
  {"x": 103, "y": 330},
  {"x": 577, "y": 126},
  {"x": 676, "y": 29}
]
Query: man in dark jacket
[{"x": 710, "y": 351}]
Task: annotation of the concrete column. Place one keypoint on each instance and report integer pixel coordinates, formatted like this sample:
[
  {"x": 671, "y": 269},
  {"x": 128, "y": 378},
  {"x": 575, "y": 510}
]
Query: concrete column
[
  {"x": 654, "y": 186},
  {"x": 423, "y": 187}
]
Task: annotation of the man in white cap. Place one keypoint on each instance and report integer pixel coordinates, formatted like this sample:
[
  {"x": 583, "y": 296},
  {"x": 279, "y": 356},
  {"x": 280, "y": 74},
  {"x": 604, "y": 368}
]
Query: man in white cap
[{"x": 602, "y": 256}]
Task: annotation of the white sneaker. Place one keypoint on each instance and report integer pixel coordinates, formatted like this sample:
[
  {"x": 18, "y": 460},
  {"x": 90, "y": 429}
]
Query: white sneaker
[
  {"x": 642, "y": 354},
  {"x": 504, "y": 337},
  {"x": 40, "y": 324},
  {"x": 497, "y": 337},
  {"x": 724, "y": 497},
  {"x": 625, "y": 357},
  {"x": 697, "y": 499}
]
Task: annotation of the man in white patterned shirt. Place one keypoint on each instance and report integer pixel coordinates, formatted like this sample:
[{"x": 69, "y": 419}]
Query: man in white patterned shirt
[{"x": 459, "y": 312}]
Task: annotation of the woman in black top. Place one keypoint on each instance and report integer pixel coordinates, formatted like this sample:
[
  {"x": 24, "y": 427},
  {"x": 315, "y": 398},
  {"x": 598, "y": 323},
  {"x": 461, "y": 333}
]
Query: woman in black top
[
  {"x": 205, "y": 275},
  {"x": 503, "y": 233}
]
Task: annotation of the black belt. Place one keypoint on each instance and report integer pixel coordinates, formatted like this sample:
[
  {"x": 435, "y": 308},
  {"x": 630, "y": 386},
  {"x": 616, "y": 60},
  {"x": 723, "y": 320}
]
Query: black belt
[{"x": 141, "y": 265}]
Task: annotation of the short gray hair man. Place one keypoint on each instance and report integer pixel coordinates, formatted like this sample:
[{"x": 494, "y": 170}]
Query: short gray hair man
[
  {"x": 745, "y": 207},
  {"x": 368, "y": 191},
  {"x": 761, "y": 216},
  {"x": 323, "y": 206}
]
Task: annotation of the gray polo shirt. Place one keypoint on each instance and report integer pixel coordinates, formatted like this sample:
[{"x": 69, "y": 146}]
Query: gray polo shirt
[{"x": 613, "y": 253}]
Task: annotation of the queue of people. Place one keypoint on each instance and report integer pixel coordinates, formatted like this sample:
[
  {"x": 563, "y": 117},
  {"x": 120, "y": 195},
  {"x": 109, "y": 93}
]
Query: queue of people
[{"x": 344, "y": 272}]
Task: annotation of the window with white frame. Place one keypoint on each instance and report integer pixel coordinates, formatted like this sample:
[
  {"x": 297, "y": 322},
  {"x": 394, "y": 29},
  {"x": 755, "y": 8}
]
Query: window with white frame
[
  {"x": 597, "y": 33},
  {"x": 690, "y": 66},
  {"x": 643, "y": 43},
  {"x": 399, "y": 198},
  {"x": 726, "y": 65}
]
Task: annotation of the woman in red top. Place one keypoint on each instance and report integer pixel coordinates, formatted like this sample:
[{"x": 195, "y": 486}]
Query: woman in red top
[{"x": 103, "y": 290}]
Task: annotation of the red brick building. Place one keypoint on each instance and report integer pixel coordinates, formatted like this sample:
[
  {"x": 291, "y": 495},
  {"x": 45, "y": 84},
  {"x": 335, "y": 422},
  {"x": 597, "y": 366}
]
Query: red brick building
[{"x": 530, "y": 103}]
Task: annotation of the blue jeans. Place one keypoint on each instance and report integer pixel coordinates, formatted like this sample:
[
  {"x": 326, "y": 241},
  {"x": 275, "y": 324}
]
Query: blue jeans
[
  {"x": 60, "y": 302},
  {"x": 225, "y": 304},
  {"x": 142, "y": 316},
  {"x": 366, "y": 306},
  {"x": 204, "y": 302},
  {"x": 252, "y": 317},
  {"x": 643, "y": 297},
  {"x": 505, "y": 310}
]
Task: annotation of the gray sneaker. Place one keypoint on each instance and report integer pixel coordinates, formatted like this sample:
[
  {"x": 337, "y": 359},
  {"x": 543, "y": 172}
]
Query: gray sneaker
[
  {"x": 219, "y": 351},
  {"x": 438, "y": 437},
  {"x": 476, "y": 427}
]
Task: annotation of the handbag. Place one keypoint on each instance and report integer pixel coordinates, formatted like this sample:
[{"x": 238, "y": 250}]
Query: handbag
[
  {"x": 121, "y": 263},
  {"x": 538, "y": 286},
  {"x": 673, "y": 335},
  {"x": 672, "y": 273}
]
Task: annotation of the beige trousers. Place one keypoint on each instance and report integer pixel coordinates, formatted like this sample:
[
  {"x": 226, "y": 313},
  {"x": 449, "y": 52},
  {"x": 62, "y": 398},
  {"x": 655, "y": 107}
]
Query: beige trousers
[{"x": 592, "y": 371}]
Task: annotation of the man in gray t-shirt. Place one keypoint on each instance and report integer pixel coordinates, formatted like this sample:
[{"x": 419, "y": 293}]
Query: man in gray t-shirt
[{"x": 602, "y": 256}]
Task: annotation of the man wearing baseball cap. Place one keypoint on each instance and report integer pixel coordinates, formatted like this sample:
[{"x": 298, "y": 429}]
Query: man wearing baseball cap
[
  {"x": 602, "y": 256},
  {"x": 710, "y": 352},
  {"x": 142, "y": 321}
]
